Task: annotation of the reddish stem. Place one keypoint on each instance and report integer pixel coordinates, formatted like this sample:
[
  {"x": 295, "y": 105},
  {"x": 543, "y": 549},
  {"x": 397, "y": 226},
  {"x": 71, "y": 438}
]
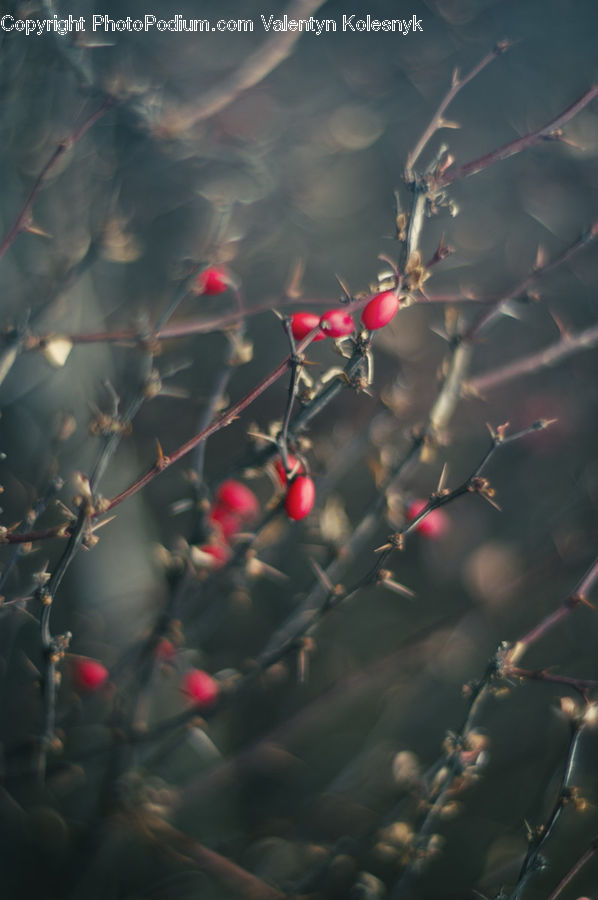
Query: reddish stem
[
  {"x": 23, "y": 220},
  {"x": 455, "y": 173}
]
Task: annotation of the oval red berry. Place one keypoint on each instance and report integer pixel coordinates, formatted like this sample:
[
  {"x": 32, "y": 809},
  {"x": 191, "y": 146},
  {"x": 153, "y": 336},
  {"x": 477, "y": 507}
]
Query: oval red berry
[
  {"x": 304, "y": 322},
  {"x": 238, "y": 498},
  {"x": 434, "y": 525},
  {"x": 165, "y": 651},
  {"x": 380, "y": 310},
  {"x": 201, "y": 688},
  {"x": 300, "y": 498},
  {"x": 212, "y": 280},
  {"x": 226, "y": 522},
  {"x": 337, "y": 323},
  {"x": 89, "y": 675}
]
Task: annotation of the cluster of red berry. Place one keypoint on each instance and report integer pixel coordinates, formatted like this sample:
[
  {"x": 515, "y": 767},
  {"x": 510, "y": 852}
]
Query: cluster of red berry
[
  {"x": 337, "y": 323},
  {"x": 236, "y": 506}
]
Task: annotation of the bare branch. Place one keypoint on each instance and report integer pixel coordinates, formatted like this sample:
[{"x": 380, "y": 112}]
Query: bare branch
[
  {"x": 437, "y": 120},
  {"x": 548, "y": 131},
  {"x": 256, "y": 67}
]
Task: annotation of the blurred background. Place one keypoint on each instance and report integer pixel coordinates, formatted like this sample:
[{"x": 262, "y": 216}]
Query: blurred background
[{"x": 299, "y": 171}]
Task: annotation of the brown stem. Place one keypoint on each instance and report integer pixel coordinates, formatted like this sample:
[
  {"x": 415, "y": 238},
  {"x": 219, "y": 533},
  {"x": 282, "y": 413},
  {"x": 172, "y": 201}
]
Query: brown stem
[
  {"x": 578, "y": 597},
  {"x": 23, "y": 220},
  {"x": 256, "y": 67},
  {"x": 534, "y": 362},
  {"x": 493, "y": 309},
  {"x": 227, "y": 417},
  {"x": 551, "y": 129},
  {"x": 579, "y": 684},
  {"x": 575, "y": 869},
  {"x": 437, "y": 120}
]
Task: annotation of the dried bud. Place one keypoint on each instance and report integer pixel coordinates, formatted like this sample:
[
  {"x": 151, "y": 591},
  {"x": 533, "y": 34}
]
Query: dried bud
[
  {"x": 590, "y": 717},
  {"x": 569, "y": 708},
  {"x": 57, "y": 351},
  {"x": 405, "y": 769}
]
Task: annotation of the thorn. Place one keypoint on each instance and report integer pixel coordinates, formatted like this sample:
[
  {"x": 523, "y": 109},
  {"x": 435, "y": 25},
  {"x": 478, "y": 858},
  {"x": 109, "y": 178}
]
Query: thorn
[
  {"x": 257, "y": 568},
  {"x": 279, "y": 315},
  {"x": 442, "y": 480},
  {"x": 161, "y": 461},
  {"x": 258, "y": 435},
  {"x": 492, "y": 502},
  {"x": 439, "y": 332},
  {"x": 563, "y": 330},
  {"x": 397, "y": 588},
  {"x": 322, "y": 576},
  {"x": 101, "y": 524},
  {"x": 540, "y": 258},
  {"x": 455, "y": 78},
  {"x": 344, "y": 288},
  {"x": 293, "y": 288},
  {"x": 32, "y": 228},
  {"x": 448, "y": 123},
  {"x": 383, "y": 547},
  {"x": 177, "y": 393}
]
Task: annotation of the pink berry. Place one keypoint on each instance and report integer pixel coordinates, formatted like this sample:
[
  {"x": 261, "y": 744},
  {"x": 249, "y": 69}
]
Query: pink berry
[
  {"x": 218, "y": 553},
  {"x": 294, "y": 466},
  {"x": 304, "y": 322},
  {"x": 89, "y": 675},
  {"x": 226, "y": 521},
  {"x": 300, "y": 498},
  {"x": 337, "y": 323},
  {"x": 435, "y": 523},
  {"x": 238, "y": 498},
  {"x": 165, "y": 650},
  {"x": 201, "y": 688},
  {"x": 212, "y": 280},
  {"x": 380, "y": 310}
]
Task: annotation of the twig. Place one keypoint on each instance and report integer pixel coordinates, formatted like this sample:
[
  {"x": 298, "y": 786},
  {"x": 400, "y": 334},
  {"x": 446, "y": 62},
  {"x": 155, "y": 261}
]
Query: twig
[
  {"x": 226, "y": 418},
  {"x": 492, "y": 310},
  {"x": 548, "y": 131},
  {"x": 573, "y": 601},
  {"x": 534, "y": 362},
  {"x": 538, "y": 838},
  {"x": 583, "y": 860},
  {"x": 23, "y": 221},
  {"x": 499, "y": 668},
  {"x": 437, "y": 120},
  {"x": 583, "y": 685},
  {"x": 256, "y": 67}
]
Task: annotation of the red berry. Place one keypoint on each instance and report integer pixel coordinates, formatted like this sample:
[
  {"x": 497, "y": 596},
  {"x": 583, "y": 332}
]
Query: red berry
[
  {"x": 380, "y": 310},
  {"x": 238, "y": 498},
  {"x": 212, "y": 281},
  {"x": 201, "y": 688},
  {"x": 337, "y": 323},
  {"x": 89, "y": 675},
  {"x": 294, "y": 466},
  {"x": 304, "y": 322},
  {"x": 218, "y": 553},
  {"x": 300, "y": 497},
  {"x": 225, "y": 520},
  {"x": 435, "y": 523},
  {"x": 165, "y": 650}
]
